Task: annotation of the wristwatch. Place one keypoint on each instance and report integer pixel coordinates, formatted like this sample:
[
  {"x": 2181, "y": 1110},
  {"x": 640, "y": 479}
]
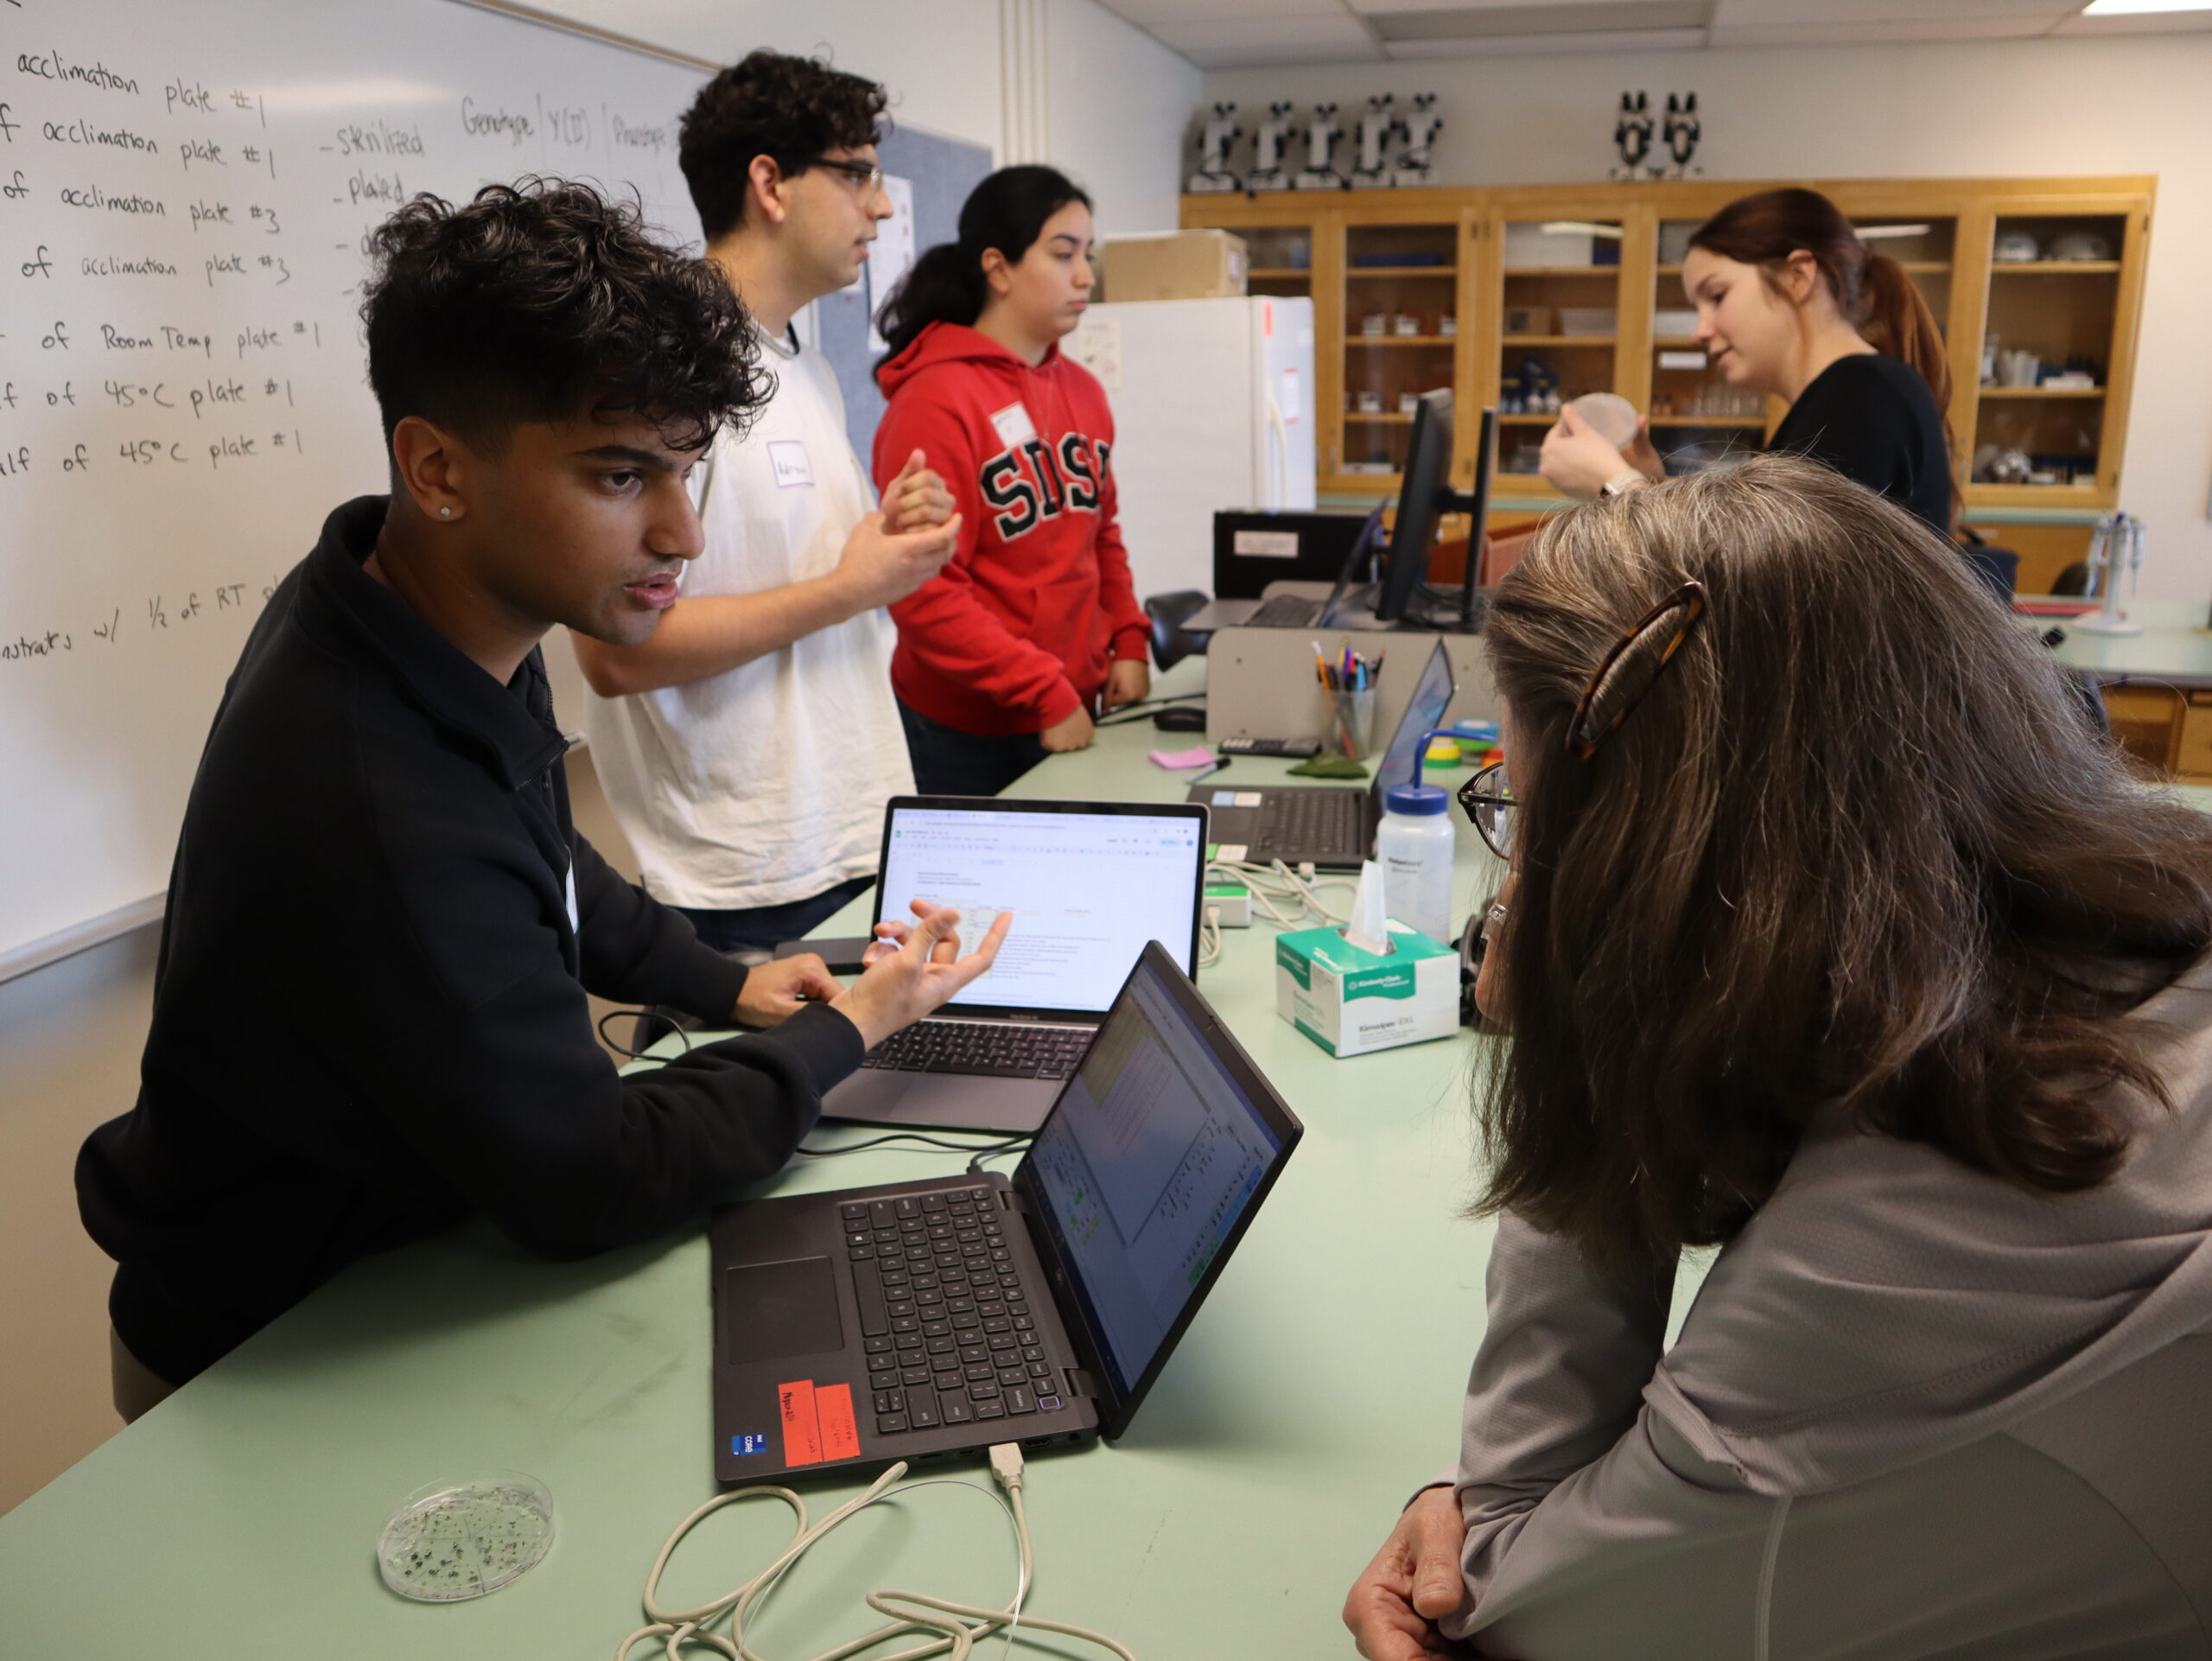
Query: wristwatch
[{"x": 1621, "y": 483}]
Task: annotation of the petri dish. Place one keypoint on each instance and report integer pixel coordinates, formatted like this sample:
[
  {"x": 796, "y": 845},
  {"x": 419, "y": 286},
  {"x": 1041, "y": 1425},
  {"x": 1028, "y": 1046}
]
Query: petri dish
[{"x": 456, "y": 1540}]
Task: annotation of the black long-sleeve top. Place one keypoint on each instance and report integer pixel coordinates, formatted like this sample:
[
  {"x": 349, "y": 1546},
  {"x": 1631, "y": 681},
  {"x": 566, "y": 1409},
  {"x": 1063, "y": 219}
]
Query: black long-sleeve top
[
  {"x": 1871, "y": 418},
  {"x": 369, "y": 1016}
]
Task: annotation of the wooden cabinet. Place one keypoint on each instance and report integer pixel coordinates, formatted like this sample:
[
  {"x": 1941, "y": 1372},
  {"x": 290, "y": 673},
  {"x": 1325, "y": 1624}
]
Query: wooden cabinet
[{"x": 1502, "y": 292}]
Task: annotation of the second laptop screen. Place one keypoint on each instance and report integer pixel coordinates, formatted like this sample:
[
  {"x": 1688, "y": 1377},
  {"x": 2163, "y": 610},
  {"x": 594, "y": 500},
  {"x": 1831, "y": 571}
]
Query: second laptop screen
[{"x": 1087, "y": 890}]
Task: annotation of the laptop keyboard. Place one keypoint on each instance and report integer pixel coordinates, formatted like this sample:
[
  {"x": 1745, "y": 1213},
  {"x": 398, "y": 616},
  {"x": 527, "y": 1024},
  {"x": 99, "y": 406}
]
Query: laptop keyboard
[
  {"x": 981, "y": 1049},
  {"x": 1316, "y": 820},
  {"x": 1284, "y": 611},
  {"x": 944, "y": 1317}
]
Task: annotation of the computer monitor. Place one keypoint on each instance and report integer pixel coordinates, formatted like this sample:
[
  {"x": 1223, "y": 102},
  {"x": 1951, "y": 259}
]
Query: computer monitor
[{"x": 1425, "y": 497}]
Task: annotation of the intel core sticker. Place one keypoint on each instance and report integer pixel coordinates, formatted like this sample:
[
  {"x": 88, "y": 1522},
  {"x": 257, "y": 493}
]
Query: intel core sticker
[{"x": 755, "y": 1443}]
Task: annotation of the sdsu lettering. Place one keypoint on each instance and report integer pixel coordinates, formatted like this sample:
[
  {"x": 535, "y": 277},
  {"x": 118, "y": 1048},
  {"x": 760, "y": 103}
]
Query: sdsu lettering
[
  {"x": 1053, "y": 482},
  {"x": 1022, "y": 628},
  {"x": 1005, "y": 488}
]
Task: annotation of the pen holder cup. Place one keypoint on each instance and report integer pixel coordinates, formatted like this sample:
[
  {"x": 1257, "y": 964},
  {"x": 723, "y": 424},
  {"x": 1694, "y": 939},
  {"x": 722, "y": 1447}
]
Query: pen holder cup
[{"x": 1348, "y": 723}]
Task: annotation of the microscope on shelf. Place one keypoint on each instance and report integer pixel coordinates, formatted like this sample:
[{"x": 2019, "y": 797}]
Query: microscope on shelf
[
  {"x": 1321, "y": 135},
  {"x": 1376, "y": 129},
  {"x": 1221, "y": 132},
  {"x": 1632, "y": 131},
  {"x": 1416, "y": 164},
  {"x": 1681, "y": 132},
  {"x": 1269, "y": 141}
]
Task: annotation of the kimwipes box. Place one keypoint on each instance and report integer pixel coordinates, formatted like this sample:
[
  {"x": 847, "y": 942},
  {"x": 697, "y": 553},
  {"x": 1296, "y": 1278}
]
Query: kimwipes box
[
  {"x": 1352, "y": 1001},
  {"x": 1172, "y": 265}
]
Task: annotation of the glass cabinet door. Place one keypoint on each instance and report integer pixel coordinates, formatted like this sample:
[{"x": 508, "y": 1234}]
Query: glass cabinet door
[
  {"x": 2046, "y": 355},
  {"x": 1400, "y": 334},
  {"x": 1559, "y": 328}
]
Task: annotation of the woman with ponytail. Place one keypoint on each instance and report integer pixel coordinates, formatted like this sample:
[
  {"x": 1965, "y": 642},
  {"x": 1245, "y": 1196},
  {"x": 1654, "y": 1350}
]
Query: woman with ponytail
[
  {"x": 1033, "y": 627},
  {"x": 1790, "y": 302}
]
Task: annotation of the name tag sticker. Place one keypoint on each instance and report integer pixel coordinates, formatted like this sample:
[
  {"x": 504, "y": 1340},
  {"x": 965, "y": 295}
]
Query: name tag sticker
[
  {"x": 1248, "y": 798},
  {"x": 1231, "y": 853},
  {"x": 1224, "y": 799},
  {"x": 787, "y": 456},
  {"x": 1014, "y": 426}
]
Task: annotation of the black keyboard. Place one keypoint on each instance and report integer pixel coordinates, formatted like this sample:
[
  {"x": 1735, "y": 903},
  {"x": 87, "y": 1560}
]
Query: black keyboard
[
  {"x": 1313, "y": 819},
  {"x": 1284, "y": 611},
  {"x": 981, "y": 1049},
  {"x": 944, "y": 1317}
]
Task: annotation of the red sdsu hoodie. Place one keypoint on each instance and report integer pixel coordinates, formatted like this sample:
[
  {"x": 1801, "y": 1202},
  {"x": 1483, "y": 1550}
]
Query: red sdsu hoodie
[{"x": 1023, "y": 624}]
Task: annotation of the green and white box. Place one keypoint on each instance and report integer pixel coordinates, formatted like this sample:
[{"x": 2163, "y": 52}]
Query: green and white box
[{"x": 1352, "y": 1001}]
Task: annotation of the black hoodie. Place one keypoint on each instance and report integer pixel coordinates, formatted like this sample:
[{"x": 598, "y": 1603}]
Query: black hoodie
[{"x": 369, "y": 1016}]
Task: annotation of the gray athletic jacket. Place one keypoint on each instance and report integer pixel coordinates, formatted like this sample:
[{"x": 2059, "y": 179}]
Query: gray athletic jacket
[{"x": 1913, "y": 1412}]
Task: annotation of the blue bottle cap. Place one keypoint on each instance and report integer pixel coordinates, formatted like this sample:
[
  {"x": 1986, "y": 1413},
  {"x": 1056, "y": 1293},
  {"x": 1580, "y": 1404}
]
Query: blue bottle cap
[{"x": 1416, "y": 799}]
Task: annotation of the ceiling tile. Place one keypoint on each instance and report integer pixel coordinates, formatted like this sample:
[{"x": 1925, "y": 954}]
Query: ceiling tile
[
  {"x": 1149, "y": 13},
  {"x": 1844, "y": 14},
  {"x": 2146, "y": 22},
  {"x": 1287, "y": 40},
  {"x": 1532, "y": 46},
  {"x": 1877, "y": 33},
  {"x": 1565, "y": 7}
]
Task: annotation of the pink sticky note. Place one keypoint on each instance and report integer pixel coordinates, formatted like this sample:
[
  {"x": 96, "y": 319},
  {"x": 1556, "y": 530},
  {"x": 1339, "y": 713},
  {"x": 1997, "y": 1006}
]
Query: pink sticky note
[{"x": 1197, "y": 756}]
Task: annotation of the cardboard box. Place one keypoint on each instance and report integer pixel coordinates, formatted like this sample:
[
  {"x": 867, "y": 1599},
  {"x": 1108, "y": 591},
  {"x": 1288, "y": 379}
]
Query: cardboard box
[
  {"x": 1354, "y": 1003},
  {"x": 1589, "y": 319},
  {"x": 1172, "y": 265}
]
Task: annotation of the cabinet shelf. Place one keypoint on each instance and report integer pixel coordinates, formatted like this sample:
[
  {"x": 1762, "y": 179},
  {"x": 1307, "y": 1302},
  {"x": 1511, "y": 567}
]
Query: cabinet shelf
[
  {"x": 1707, "y": 421},
  {"x": 2043, "y": 392},
  {"x": 1357, "y": 271},
  {"x": 1560, "y": 340},
  {"x": 1378, "y": 418},
  {"x": 1563, "y": 271},
  {"x": 1916, "y": 267},
  {"x": 1279, "y": 273},
  {"x": 2054, "y": 268},
  {"x": 1402, "y": 339}
]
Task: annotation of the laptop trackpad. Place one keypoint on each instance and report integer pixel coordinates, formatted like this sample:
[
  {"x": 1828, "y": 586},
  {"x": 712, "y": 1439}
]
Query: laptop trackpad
[{"x": 781, "y": 1310}]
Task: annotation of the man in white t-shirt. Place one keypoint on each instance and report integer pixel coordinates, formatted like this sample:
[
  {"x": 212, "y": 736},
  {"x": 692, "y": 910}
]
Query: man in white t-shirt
[{"x": 748, "y": 748}]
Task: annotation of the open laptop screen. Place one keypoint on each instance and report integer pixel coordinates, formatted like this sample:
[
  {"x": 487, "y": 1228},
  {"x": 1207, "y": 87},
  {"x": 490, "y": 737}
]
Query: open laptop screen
[
  {"x": 1424, "y": 712},
  {"x": 1087, "y": 890},
  {"x": 1147, "y": 1166}
]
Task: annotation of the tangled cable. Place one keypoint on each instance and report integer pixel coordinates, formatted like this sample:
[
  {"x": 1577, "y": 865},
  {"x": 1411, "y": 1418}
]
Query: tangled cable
[{"x": 956, "y": 1627}]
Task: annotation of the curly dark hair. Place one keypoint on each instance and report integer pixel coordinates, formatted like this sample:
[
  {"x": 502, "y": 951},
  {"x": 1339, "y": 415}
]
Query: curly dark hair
[
  {"x": 544, "y": 301},
  {"x": 791, "y": 110}
]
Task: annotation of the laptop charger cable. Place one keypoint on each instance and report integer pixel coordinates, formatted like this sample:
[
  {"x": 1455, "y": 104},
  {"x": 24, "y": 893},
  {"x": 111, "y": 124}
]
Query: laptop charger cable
[{"x": 953, "y": 1628}]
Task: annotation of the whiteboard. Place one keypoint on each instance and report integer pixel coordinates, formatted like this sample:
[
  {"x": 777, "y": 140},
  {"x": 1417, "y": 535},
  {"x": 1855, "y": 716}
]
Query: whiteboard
[{"x": 184, "y": 192}]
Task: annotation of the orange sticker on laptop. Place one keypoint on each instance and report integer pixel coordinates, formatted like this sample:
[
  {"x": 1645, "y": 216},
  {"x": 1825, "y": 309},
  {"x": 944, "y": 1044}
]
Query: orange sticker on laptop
[
  {"x": 840, "y": 1437},
  {"x": 802, "y": 1428}
]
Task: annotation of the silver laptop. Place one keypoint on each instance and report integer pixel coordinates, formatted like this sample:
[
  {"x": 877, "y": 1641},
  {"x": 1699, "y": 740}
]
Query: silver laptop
[{"x": 1089, "y": 883}]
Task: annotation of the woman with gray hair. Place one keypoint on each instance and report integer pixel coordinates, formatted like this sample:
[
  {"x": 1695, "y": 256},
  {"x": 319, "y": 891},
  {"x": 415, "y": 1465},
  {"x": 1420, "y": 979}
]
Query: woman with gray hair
[{"x": 1833, "y": 939}]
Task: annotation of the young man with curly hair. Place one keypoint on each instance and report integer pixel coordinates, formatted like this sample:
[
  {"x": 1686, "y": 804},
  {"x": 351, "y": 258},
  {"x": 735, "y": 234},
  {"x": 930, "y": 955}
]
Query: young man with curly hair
[
  {"x": 369, "y": 1015},
  {"x": 748, "y": 747}
]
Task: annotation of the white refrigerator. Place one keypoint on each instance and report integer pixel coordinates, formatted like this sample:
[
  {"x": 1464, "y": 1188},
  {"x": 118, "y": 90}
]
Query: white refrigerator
[{"x": 1213, "y": 409}]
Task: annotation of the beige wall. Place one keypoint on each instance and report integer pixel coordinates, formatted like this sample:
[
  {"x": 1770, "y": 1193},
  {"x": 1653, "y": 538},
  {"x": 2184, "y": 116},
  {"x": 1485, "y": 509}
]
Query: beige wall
[{"x": 2073, "y": 106}]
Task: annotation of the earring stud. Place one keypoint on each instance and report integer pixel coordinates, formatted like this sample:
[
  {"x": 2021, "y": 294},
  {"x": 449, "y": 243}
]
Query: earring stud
[{"x": 445, "y": 513}]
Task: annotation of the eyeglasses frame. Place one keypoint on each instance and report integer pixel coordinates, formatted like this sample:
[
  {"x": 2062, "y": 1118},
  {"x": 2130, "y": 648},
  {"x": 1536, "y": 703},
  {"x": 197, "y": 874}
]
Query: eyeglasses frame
[
  {"x": 1473, "y": 795},
  {"x": 868, "y": 176}
]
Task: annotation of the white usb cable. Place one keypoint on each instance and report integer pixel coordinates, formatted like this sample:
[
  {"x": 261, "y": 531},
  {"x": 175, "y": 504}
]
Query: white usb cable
[{"x": 956, "y": 1627}]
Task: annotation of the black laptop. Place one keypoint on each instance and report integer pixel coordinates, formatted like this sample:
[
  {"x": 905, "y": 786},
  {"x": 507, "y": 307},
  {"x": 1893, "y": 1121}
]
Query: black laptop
[
  {"x": 933, "y": 1319},
  {"x": 1333, "y": 826},
  {"x": 1088, "y": 882}
]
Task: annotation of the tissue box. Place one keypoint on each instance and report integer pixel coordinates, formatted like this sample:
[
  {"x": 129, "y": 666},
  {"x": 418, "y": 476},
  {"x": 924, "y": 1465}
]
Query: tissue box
[{"x": 1353, "y": 1003}]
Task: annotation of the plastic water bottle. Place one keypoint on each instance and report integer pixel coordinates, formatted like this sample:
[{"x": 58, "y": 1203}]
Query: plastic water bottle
[{"x": 1414, "y": 845}]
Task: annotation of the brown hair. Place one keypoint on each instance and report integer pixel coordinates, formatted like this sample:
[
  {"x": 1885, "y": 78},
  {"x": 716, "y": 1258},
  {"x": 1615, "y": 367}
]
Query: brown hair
[
  {"x": 1870, "y": 289},
  {"x": 1855, "y": 848}
]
